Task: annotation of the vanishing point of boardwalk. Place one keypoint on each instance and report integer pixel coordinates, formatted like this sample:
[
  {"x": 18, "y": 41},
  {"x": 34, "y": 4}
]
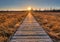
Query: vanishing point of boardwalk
[{"x": 30, "y": 31}]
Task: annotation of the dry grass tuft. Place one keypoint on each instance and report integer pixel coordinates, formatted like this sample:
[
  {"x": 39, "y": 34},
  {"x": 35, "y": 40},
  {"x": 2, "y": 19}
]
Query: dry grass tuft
[
  {"x": 50, "y": 21},
  {"x": 9, "y": 22}
]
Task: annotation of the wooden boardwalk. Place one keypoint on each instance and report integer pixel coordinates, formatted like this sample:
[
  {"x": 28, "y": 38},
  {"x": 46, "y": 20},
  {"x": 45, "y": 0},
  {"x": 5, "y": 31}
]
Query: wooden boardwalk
[{"x": 30, "y": 31}]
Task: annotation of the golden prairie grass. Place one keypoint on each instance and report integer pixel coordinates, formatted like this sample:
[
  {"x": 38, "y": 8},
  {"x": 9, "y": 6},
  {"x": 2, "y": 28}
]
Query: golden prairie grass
[
  {"x": 9, "y": 22},
  {"x": 50, "y": 21}
]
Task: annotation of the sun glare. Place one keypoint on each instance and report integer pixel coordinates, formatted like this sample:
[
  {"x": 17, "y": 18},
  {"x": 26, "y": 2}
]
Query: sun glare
[{"x": 29, "y": 8}]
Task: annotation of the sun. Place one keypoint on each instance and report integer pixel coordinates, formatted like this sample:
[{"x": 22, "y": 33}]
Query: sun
[{"x": 29, "y": 8}]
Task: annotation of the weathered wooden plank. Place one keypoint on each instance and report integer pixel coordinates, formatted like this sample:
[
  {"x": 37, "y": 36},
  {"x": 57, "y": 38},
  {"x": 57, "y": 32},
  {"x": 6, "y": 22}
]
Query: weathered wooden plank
[{"x": 30, "y": 31}]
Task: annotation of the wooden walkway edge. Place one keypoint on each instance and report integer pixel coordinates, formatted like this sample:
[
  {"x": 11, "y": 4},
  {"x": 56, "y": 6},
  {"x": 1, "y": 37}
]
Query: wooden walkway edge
[{"x": 30, "y": 31}]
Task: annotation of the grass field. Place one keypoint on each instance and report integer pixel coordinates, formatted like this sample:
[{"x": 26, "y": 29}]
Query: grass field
[
  {"x": 9, "y": 22},
  {"x": 50, "y": 21}
]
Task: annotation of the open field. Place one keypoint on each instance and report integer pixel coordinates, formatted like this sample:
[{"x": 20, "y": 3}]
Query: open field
[
  {"x": 50, "y": 21},
  {"x": 9, "y": 22}
]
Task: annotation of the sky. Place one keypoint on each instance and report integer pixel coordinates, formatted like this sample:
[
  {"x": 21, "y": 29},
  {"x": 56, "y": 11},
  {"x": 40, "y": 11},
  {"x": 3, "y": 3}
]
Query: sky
[{"x": 23, "y": 4}]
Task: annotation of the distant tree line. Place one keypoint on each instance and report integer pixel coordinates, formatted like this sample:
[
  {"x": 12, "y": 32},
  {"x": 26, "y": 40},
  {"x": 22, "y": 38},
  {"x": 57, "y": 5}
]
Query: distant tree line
[{"x": 54, "y": 10}]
